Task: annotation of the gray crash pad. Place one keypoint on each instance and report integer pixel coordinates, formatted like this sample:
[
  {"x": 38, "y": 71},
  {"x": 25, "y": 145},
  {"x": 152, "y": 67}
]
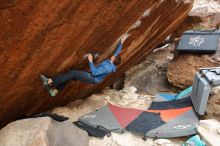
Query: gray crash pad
[
  {"x": 150, "y": 123},
  {"x": 102, "y": 118},
  {"x": 199, "y": 41},
  {"x": 202, "y": 84},
  {"x": 183, "y": 125},
  {"x": 200, "y": 93},
  {"x": 212, "y": 75}
]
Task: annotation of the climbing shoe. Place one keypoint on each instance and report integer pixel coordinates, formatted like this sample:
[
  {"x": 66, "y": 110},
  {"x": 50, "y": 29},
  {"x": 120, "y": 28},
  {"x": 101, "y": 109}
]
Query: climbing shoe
[
  {"x": 53, "y": 92},
  {"x": 44, "y": 79}
]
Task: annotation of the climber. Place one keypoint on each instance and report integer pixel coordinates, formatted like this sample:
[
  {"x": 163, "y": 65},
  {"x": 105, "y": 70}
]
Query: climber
[{"x": 96, "y": 74}]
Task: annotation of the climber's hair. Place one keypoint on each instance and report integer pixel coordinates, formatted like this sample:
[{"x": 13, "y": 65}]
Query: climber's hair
[{"x": 117, "y": 60}]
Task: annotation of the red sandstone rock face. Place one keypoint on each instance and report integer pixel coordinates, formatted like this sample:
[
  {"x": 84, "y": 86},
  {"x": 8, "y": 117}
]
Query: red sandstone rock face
[{"x": 52, "y": 36}]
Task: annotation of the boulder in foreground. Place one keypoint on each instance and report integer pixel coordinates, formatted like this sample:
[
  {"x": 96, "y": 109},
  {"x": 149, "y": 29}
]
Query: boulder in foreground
[{"x": 42, "y": 132}]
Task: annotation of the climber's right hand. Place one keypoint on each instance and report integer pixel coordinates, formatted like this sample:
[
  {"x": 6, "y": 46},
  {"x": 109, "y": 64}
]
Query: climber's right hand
[
  {"x": 90, "y": 58},
  {"x": 124, "y": 37}
]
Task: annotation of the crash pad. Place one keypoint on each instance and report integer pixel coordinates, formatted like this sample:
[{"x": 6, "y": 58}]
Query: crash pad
[
  {"x": 111, "y": 117},
  {"x": 148, "y": 123},
  {"x": 180, "y": 120},
  {"x": 166, "y": 96},
  {"x": 199, "y": 41},
  {"x": 171, "y": 104},
  {"x": 102, "y": 117},
  {"x": 185, "y": 93},
  {"x": 182, "y": 125}
]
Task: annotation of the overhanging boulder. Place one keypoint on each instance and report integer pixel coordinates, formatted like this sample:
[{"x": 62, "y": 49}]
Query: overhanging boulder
[{"x": 52, "y": 37}]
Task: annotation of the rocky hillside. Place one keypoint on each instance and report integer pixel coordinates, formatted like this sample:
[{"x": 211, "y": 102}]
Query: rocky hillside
[{"x": 52, "y": 37}]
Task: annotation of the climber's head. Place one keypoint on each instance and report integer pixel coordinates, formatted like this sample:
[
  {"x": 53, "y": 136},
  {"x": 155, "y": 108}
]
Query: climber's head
[{"x": 116, "y": 60}]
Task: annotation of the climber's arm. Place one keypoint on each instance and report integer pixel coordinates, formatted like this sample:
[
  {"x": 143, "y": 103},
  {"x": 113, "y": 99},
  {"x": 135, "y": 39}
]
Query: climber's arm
[
  {"x": 120, "y": 43},
  {"x": 94, "y": 70},
  {"x": 118, "y": 49}
]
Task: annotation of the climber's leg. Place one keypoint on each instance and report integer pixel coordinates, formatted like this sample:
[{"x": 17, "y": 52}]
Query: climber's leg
[{"x": 61, "y": 80}]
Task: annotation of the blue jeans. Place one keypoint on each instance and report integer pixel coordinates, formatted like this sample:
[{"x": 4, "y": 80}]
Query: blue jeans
[{"x": 61, "y": 80}]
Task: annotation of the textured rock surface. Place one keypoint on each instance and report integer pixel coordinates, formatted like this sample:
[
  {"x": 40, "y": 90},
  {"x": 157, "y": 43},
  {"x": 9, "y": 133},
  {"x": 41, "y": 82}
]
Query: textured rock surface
[
  {"x": 208, "y": 129},
  {"x": 208, "y": 11},
  {"x": 51, "y": 37},
  {"x": 151, "y": 75},
  {"x": 124, "y": 98},
  {"x": 213, "y": 106},
  {"x": 42, "y": 132},
  {"x": 127, "y": 98},
  {"x": 163, "y": 142},
  {"x": 205, "y": 14},
  {"x": 182, "y": 69}
]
